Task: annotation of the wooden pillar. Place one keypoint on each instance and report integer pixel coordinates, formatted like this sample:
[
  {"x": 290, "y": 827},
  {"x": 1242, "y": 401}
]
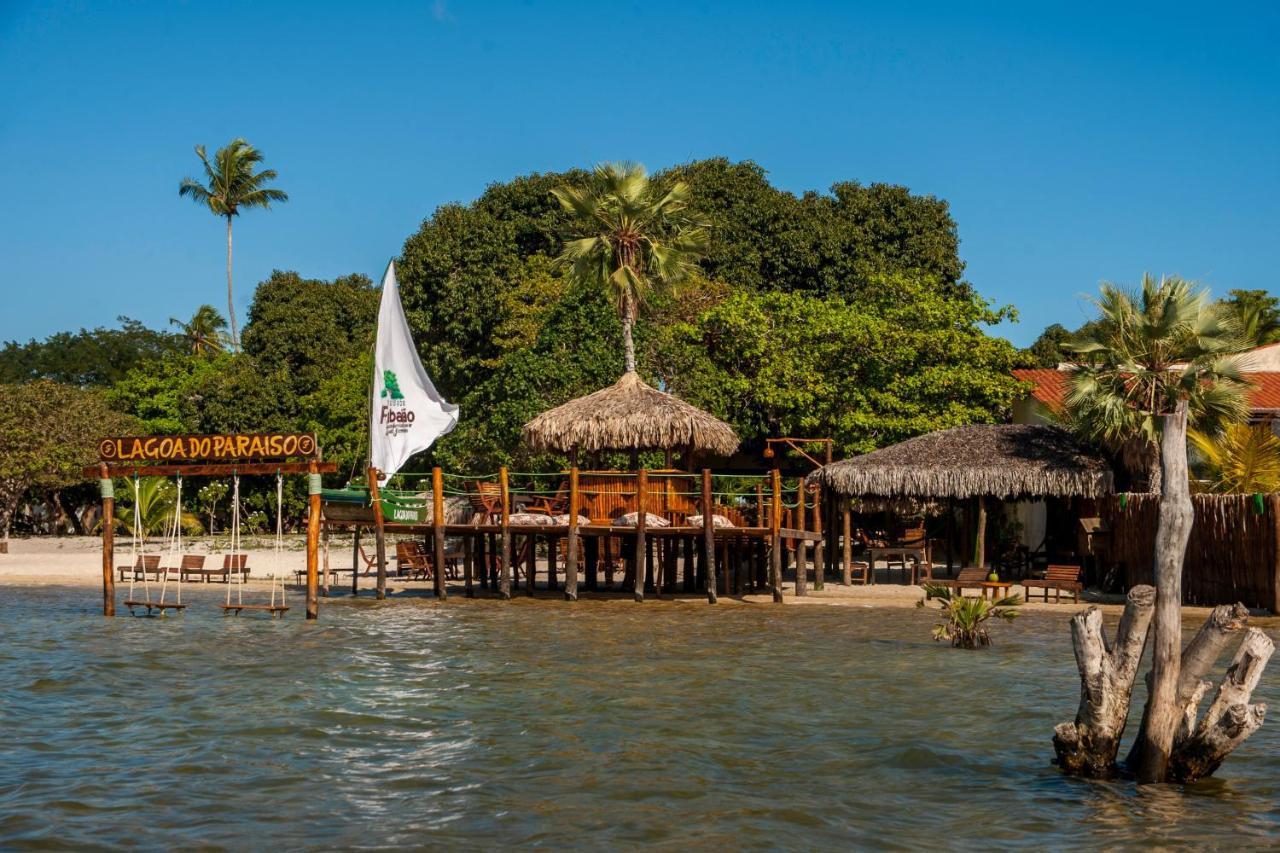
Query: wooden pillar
[
  {"x": 802, "y": 545},
  {"x": 642, "y": 493},
  {"x": 775, "y": 522},
  {"x": 819, "y": 557},
  {"x": 469, "y": 549},
  {"x": 591, "y": 545},
  {"x": 379, "y": 532},
  {"x": 846, "y": 522},
  {"x": 980, "y": 535},
  {"x": 355, "y": 560},
  {"x": 531, "y": 565},
  {"x": 760, "y": 520},
  {"x": 504, "y": 583},
  {"x": 571, "y": 553},
  {"x": 1274, "y": 501},
  {"x": 951, "y": 536},
  {"x": 688, "y": 582},
  {"x": 313, "y": 540},
  {"x": 437, "y": 529},
  {"x": 709, "y": 535},
  {"x": 107, "y": 489}
]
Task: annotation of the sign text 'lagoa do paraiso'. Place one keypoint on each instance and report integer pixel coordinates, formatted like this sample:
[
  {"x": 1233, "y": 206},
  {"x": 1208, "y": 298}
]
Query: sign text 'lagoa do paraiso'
[{"x": 198, "y": 448}]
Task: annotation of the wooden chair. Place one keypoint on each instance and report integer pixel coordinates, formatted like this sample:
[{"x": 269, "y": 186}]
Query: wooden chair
[
  {"x": 411, "y": 560},
  {"x": 859, "y": 572},
  {"x": 144, "y": 565},
  {"x": 970, "y": 578},
  {"x": 486, "y": 501},
  {"x": 192, "y": 564},
  {"x": 1059, "y": 579},
  {"x": 232, "y": 564},
  {"x": 551, "y": 506}
]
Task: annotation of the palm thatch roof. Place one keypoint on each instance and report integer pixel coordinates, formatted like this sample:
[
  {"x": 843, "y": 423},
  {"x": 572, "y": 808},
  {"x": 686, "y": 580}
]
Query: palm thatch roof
[
  {"x": 629, "y": 415},
  {"x": 991, "y": 460}
]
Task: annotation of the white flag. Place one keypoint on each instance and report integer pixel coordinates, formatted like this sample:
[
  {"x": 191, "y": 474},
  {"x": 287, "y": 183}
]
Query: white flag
[{"x": 408, "y": 414}]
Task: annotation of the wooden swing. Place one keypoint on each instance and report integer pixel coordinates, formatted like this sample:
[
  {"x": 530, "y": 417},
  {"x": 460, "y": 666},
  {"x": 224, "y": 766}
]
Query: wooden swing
[
  {"x": 174, "y": 550},
  {"x": 234, "y": 608}
]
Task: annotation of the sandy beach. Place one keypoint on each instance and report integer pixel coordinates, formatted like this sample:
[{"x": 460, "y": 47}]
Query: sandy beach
[{"x": 77, "y": 561}]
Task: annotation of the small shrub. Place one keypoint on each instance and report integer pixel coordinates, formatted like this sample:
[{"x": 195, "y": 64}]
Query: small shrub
[{"x": 965, "y": 618}]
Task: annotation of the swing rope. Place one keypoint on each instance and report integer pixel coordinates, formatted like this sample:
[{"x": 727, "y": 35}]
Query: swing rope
[
  {"x": 277, "y": 568},
  {"x": 234, "y": 565},
  {"x": 135, "y": 553},
  {"x": 175, "y": 546}
]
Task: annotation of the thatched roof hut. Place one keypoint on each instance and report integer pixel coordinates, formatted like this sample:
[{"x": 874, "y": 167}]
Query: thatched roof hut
[
  {"x": 1008, "y": 461},
  {"x": 629, "y": 415}
]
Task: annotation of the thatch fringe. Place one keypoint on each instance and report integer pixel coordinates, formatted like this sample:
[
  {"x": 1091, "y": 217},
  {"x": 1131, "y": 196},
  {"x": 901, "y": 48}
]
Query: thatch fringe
[
  {"x": 993, "y": 460},
  {"x": 629, "y": 415}
]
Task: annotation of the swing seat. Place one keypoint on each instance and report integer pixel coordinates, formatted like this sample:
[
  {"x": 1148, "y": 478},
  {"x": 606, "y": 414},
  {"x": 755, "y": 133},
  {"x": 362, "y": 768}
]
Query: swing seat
[
  {"x": 154, "y": 607},
  {"x": 273, "y": 609}
]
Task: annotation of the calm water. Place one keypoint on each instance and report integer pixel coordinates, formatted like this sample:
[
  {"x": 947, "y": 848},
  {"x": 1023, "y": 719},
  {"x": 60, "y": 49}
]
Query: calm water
[{"x": 479, "y": 724}]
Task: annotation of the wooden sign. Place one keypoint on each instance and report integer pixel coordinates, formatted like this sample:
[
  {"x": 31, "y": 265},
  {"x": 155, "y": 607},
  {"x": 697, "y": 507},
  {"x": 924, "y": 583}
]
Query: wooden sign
[{"x": 203, "y": 448}]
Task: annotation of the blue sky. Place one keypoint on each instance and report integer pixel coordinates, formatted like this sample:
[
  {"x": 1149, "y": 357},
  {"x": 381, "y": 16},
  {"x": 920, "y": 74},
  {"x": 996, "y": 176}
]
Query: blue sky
[{"x": 1076, "y": 143}]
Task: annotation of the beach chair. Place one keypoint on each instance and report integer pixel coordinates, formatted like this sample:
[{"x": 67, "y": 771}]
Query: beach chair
[
  {"x": 486, "y": 501},
  {"x": 970, "y": 578},
  {"x": 192, "y": 566},
  {"x": 411, "y": 561},
  {"x": 144, "y": 565},
  {"x": 1059, "y": 579},
  {"x": 544, "y": 505},
  {"x": 232, "y": 564}
]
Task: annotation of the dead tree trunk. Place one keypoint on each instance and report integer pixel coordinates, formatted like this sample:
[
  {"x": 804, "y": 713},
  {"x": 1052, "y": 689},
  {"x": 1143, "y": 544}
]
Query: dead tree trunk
[
  {"x": 1162, "y": 718},
  {"x": 1089, "y": 745}
]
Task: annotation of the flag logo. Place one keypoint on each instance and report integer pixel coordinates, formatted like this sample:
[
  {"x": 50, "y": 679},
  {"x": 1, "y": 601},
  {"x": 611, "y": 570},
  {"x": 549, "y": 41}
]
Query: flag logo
[{"x": 391, "y": 386}]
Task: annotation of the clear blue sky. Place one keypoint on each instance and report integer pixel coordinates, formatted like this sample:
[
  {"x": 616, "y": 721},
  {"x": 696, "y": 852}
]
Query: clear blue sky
[{"x": 1075, "y": 143}]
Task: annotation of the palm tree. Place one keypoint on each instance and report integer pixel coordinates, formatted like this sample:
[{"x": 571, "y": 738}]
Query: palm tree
[
  {"x": 204, "y": 331},
  {"x": 1245, "y": 459},
  {"x": 154, "y": 508},
  {"x": 630, "y": 238},
  {"x": 232, "y": 185},
  {"x": 1150, "y": 350}
]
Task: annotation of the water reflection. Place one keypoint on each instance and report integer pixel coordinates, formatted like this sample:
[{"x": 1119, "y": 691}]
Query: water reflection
[{"x": 599, "y": 724}]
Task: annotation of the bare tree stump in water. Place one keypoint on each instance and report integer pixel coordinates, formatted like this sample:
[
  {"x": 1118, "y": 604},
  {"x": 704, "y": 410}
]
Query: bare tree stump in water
[
  {"x": 1201, "y": 748},
  {"x": 1089, "y": 745}
]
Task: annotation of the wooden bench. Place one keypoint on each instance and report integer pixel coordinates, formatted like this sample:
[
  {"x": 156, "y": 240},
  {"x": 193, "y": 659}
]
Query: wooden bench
[
  {"x": 1059, "y": 579},
  {"x": 144, "y": 565},
  {"x": 232, "y": 564},
  {"x": 192, "y": 564},
  {"x": 970, "y": 578}
]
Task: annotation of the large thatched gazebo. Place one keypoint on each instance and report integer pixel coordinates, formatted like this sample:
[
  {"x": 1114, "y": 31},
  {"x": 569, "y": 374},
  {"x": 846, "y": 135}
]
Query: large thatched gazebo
[
  {"x": 629, "y": 416},
  {"x": 1001, "y": 461}
]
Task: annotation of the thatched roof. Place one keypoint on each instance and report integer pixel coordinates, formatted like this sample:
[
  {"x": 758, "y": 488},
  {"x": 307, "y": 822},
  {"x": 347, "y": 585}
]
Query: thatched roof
[
  {"x": 1001, "y": 461},
  {"x": 629, "y": 415}
]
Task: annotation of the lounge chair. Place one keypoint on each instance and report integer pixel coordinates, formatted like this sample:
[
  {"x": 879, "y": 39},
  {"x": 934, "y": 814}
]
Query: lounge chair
[
  {"x": 970, "y": 578},
  {"x": 550, "y": 505},
  {"x": 1059, "y": 579},
  {"x": 192, "y": 564},
  {"x": 144, "y": 565},
  {"x": 411, "y": 560},
  {"x": 486, "y": 501},
  {"x": 232, "y": 564}
]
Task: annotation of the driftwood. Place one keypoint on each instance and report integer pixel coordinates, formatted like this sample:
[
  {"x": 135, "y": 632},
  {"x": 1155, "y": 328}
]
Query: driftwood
[{"x": 1089, "y": 745}]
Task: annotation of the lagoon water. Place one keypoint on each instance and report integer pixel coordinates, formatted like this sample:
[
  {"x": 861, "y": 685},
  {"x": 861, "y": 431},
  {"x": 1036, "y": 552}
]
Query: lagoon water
[{"x": 481, "y": 724}]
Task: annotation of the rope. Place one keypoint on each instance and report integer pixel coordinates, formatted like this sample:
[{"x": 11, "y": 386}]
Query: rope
[
  {"x": 137, "y": 535},
  {"x": 175, "y": 546},
  {"x": 276, "y": 569},
  {"x": 235, "y": 542}
]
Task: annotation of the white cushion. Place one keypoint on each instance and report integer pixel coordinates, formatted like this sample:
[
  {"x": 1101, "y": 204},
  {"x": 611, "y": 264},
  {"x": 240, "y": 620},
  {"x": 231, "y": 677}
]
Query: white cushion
[
  {"x": 530, "y": 518},
  {"x": 563, "y": 518},
  {"x": 650, "y": 520},
  {"x": 716, "y": 521}
]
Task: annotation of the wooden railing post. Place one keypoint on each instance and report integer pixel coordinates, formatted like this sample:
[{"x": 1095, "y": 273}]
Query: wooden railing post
[
  {"x": 437, "y": 528},
  {"x": 355, "y": 560},
  {"x": 571, "y": 547},
  {"x": 504, "y": 580},
  {"x": 846, "y": 518},
  {"x": 313, "y": 541},
  {"x": 709, "y": 535},
  {"x": 107, "y": 489},
  {"x": 819, "y": 558},
  {"x": 379, "y": 533},
  {"x": 775, "y": 522},
  {"x": 642, "y": 508},
  {"x": 802, "y": 544}
]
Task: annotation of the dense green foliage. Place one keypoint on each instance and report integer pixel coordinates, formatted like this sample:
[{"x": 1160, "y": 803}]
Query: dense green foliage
[{"x": 90, "y": 357}]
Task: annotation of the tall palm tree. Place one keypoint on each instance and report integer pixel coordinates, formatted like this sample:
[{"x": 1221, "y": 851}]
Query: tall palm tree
[
  {"x": 1165, "y": 343},
  {"x": 205, "y": 331},
  {"x": 631, "y": 238},
  {"x": 232, "y": 185},
  {"x": 153, "y": 509}
]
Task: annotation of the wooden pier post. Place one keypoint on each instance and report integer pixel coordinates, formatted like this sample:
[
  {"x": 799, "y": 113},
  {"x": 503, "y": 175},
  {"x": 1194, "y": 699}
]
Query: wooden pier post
[
  {"x": 802, "y": 545},
  {"x": 313, "y": 540},
  {"x": 709, "y": 535},
  {"x": 819, "y": 554},
  {"x": 107, "y": 489},
  {"x": 846, "y": 521},
  {"x": 504, "y": 582},
  {"x": 437, "y": 528},
  {"x": 642, "y": 551},
  {"x": 379, "y": 533},
  {"x": 571, "y": 547},
  {"x": 775, "y": 522},
  {"x": 468, "y": 565},
  {"x": 355, "y": 560}
]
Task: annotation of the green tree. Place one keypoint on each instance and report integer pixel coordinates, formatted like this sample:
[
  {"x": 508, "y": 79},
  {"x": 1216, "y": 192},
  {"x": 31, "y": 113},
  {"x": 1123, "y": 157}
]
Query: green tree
[
  {"x": 48, "y": 433},
  {"x": 634, "y": 237},
  {"x": 90, "y": 357},
  {"x": 1046, "y": 350},
  {"x": 1258, "y": 314},
  {"x": 232, "y": 185},
  {"x": 1154, "y": 347},
  {"x": 204, "y": 331}
]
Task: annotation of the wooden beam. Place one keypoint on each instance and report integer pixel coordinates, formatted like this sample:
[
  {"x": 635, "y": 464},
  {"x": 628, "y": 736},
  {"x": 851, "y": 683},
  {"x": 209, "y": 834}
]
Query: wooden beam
[
  {"x": 437, "y": 520},
  {"x": 709, "y": 534},
  {"x": 819, "y": 558},
  {"x": 108, "y": 543},
  {"x": 355, "y": 561},
  {"x": 504, "y": 582},
  {"x": 379, "y": 534},
  {"x": 571, "y": 552},
  {"x": 210, "y": 470},
  {"x": 313, "y": 542},
  {"x": 775, "y": 521},
  {"x": 642, "y": 504},
  {"x": 846, "y": 520},
  {"x": 802, "y": 571}
]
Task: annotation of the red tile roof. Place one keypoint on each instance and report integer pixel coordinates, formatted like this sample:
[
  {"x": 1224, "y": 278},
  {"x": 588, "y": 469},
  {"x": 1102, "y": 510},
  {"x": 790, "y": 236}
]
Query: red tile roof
[{"x": 1050, "y": 387}]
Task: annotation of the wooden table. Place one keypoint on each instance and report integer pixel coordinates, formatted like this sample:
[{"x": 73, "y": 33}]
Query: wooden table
[
  {"x": 990, "y": 588},
  {"x": 916, "y": 555}
]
